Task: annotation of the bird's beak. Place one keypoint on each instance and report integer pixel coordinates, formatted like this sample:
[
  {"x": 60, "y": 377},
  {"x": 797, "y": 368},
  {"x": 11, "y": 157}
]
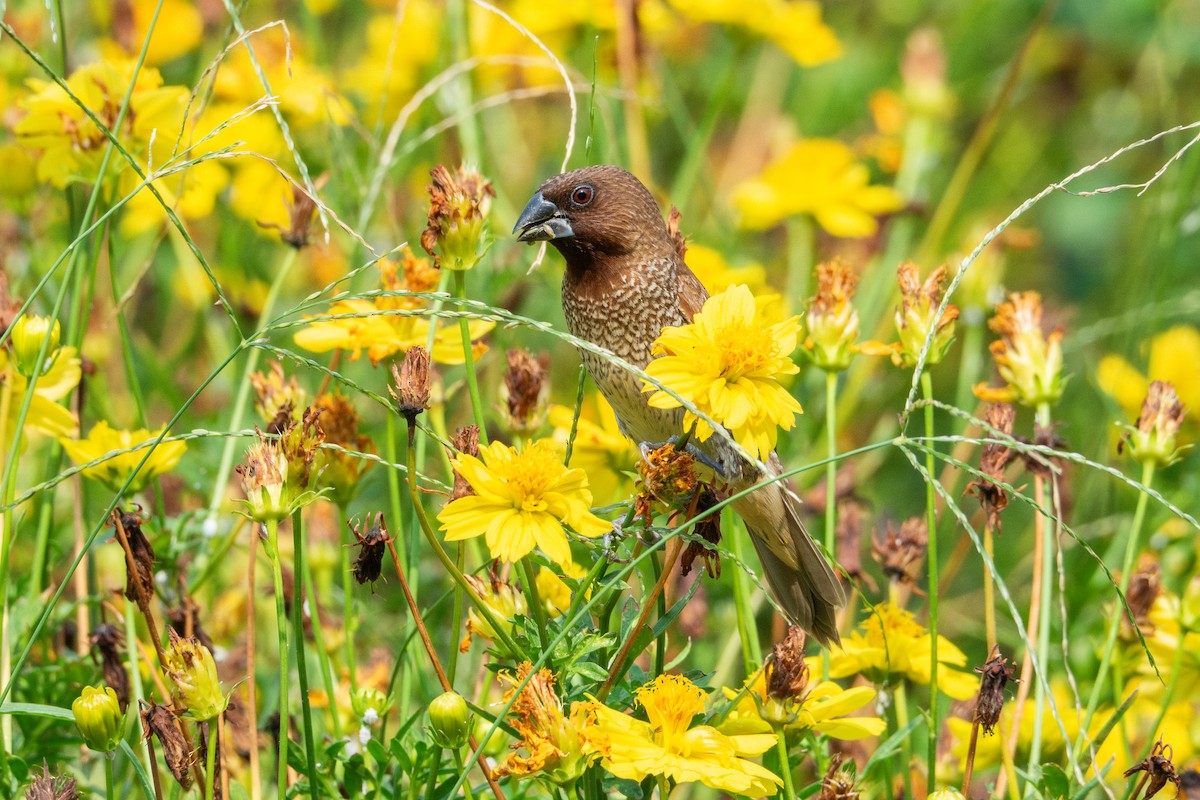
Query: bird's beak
[{"x": 542, "y": 221}]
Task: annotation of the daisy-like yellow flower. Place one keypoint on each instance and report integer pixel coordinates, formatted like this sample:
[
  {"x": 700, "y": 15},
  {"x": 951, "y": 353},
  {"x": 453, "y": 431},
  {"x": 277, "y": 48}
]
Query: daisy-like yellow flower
[
  {"x": 600, "y": 449},
  {"x": 58, "y": 380},
  {"x": 1029, "y": 361},
  {"x": 822, "y": 709},
  {"x": 522, "y": 499},
  {"x": 727, "y": 363},
  {"x": 819, "y": 177},
  {"x": 554, "y": 745},
  {"x": 71, "y": 144},
  {"x": 795, "y": 27},
  {"x": 891, "y": 644},
  {"x": 128, "y": 448},
  {"x": 1172, "y": 357},
  {"x": 373, "y": 325},
  {"x": 670, "y": 745},
  {"x": 717, "y": 275}
]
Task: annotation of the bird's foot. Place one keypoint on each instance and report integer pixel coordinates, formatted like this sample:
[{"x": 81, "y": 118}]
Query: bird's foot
[{"x": 695, "y": 452}]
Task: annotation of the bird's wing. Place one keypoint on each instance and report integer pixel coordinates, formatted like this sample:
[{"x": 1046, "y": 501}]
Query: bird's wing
[{"x": 692, "y": 293}]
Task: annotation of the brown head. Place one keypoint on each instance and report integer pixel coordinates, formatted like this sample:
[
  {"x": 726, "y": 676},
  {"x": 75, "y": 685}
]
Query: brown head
[{"x": 595, "y": 215}]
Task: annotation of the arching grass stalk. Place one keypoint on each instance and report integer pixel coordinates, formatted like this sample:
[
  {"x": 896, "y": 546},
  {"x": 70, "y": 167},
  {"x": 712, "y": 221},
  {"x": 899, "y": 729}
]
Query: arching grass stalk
[
  {"x": 932, "y": 560},
  {"x": 272, "y": 549},
  {"x": 1108, "y": 655},
  {"x": 298, "y": 567}
]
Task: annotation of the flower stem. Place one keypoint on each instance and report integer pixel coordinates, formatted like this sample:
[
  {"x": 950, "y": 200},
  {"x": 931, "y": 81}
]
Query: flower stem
[
  {"x": 900, "y": 703},
  {"x": 1114, "y": 621},
  {"x": 932, "y": 559},
  {"x": 989, "y": 589},
  {"x": 272, "y": 549},
  {"x": 1044, "y": 498},
  {"x": 210, "y": 762},
  {"x": 535, "y": 602},
  {"x": 460, "y": 291},
  {"x": 785, "y": 767},
  {"x": 831, "y": 380},
  {"x": 298, "y": 597},
  {"x": 109, "y": 778}
]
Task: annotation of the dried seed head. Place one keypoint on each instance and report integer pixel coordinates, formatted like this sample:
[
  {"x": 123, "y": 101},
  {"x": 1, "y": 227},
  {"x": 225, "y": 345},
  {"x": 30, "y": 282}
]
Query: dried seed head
[
  {"x": 106, "y": 640},
  {"x": 411, "y": 383},
  {"x": 263, "y": 479},
  {"x": 526, "y": 391},
  {"x": 849, "y": 538},
  {"x": 300, "y": 442},
  {"x": 838, "y": 783},
  {"x": 996, "y": 674},
  {"x": 139, "y": 573},
  {"x": 372, "y": 543},
  {"x": 992, "y": 463},
  {"x": 707, "y": 535},
  {"x": 1154, "y": 438},
  {"x": 177, "y": 751},
  {"x": 1158, "y": 768},
  {"x": 832, "y": 321},
  {"x": 51, "y": 787},
  {"x": 458, "y": 208},
  {"x": 915, "y": 316},
  {"x": 465, "y": 441},
  {"x": 786, "y": 672},
  {"x": 665, "y": 476},
  {"x": 902, "y": 551},
  {"x": 1030, "y": 362},
  {"x": 276, "y": 397},
  {"x": 1145, "y": 585},
  {"x": 191, "y": 666}
]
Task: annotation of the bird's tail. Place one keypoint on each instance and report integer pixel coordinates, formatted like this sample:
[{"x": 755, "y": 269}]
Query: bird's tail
[{"x": 797, "y": 573}]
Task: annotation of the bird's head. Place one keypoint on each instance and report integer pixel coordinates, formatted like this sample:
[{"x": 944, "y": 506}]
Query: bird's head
[{"x": 593, "y": 212}]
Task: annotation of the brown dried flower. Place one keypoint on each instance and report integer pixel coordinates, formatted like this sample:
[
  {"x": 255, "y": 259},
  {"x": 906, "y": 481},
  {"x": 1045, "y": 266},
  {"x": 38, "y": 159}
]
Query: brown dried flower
[
  {"x": 372, "y": 543},
  {"x": 1154, "y": 438},
  {"x": 465, "y": 441},
  {"x": 706, "y": 536},
  {"x": 902, "y": 551},
  {"x": 342, "y": 471},
  {"x": 300, "y": 214},
  {"x": 786, "y": 672},
  {"x": 526, "y": 390},
  {"x": 300, "y": 442},
  {"x": 832, "y": 322},
  {"x": 1145, "y": 585},
  {"x": 51, "y": 787},
  {"x": 992, "y": 463},
  {"x": 458, "y": 207},
  {"x": 996, "y": 674},
  {"x": 1029, "y": 361},
  {"x": 177, "y": 751},
  {"x": 838, "y": 783},
  {"x": 277, "y": 397},
  {"x": 849, "y": 540},
  {"x": 106, "y": 640},
  {"x": 139, "y": 573},
  {"x": 665, "y": 476},
  {"x": 1158, "y": 768},
  {"x": 185, "y": 621},
  {"x": 411, "y": 383}
]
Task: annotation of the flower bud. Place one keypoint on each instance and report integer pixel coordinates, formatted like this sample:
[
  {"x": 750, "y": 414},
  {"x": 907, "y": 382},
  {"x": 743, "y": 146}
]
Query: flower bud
[
  {"x": 504, "y": 600},
  {"x": 264, "y": 477},
  {"x": 450, "y": 720},
  {"x": 1153, "y": 440},
  {"x": 369, "y": 705},
  {"x": 946, "y": 794},
  {"x": 1029, "y": 361},
  {"x": 459, "y": 205},
  {"x": 915, "y": 316},
  {"x": 28, "y": 335},
  {"x": 192, "y": 668},
  {"x": 411, "y": 377},
  {"x": 98, "y": 718},
  {"x": 832, "y": 322}
]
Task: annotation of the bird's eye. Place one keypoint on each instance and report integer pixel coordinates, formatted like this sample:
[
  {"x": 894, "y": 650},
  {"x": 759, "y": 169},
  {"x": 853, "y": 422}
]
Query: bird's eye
[{"x": 582, "y": 195}]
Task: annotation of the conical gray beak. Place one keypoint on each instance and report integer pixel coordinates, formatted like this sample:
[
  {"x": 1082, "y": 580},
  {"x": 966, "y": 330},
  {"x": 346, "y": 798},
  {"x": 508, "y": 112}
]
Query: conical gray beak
[{"x": 542, "y": 221}]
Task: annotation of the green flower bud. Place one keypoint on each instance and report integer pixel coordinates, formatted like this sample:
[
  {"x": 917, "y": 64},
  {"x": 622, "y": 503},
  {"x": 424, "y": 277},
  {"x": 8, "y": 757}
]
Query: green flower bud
[
  {"x": 28, "y": 334},
  {"x": 369, "y": 705},
  {"x": 191, "y": 666},
  {"x": 450, "y": 720},
  {"x": 98, "y": 717}
]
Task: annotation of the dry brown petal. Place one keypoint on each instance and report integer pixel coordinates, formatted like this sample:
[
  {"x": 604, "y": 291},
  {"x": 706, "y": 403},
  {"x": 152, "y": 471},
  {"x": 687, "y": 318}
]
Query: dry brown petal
[
  {"x": 786, "y": 672},
  {"x": 465, "y": 441},
  {"x": 177, "y": 751},
  {"x": 411, "y": 382},
  {"x": 901, "y": 552}
]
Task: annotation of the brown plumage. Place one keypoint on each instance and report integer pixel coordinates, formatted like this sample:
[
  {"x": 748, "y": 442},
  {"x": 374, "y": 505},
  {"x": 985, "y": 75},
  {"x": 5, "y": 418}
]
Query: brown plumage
[{"x": 625, "y": 281}]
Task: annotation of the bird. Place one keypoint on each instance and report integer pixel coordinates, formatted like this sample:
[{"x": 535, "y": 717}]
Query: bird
[{"x": 625, "y": 281}]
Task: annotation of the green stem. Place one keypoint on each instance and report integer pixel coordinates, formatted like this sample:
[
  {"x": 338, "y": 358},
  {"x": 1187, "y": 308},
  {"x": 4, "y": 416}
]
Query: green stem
[
  {"x": 989, "y": 589},
  {"x": 462, "y": 768},
  {"x": 1045, "y": 500},
  {"x": 110, "y": 780},
  {"x": 831, "y": 380},
  {"x": 900, "y": 701},
  {"x": 460, "y": 560},
  {"x": 349, "y": 618},
  {"x": 1114, "y": 621},
  {"x": 932, "y": 558},
  {"x": 210, "y": 762},
  {"x": 751, "y": 649},
  {"x": 272, "y": 548},
  {"x": 535, "y": 601},
  {"x": 785, "y": 766},
  {"x": 460, "y": 291},
  {"x": 298, "y": 562}
]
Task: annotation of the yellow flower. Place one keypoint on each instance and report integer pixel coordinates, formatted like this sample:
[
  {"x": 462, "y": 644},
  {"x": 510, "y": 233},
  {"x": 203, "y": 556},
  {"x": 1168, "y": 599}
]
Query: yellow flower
[
  {"x": 818, "y": 177},
  {"x": 45, "y": 414},
  {"x": 832, "y": 321},
  {"x": 1030, "y": 362},
  {"x": 821, "y": 709},
  {"x": 554, "y": 745},
  {"x": 504, "y": 600},
  {"x": 115, "y": 470},
  {"x": 1173, "y": 357},
  {"x": 669, "y": 745},
  {"x": 373, "y": 325},
  {"x": 915, "y": 319},
  {"x": 600, "y": 449},
  {"x": 795, "y": 27},
  {"x": 192, "y": 668},
  {"x": 72, "y": 145},
  {"x": 726, "y": 363},
  {"x": 553, "y": 590},
  {"x": 98, "y": 717},
  {"x": 717, "y": 275},
  {"x": 177, "y": 30},
  {"x": 28, "y": 336},
  {"x": 395, "y": 49},
  {"x": 891, "y": 644},
  {"x": 521, "y": 500}
]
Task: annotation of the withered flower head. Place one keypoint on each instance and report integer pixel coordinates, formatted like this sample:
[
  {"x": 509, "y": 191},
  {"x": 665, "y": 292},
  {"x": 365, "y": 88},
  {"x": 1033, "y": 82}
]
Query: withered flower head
[
  {"x": 372, "y": 543},
  {"x": 185, "y": 620},
  {"x": 106, "y": 640},
  {"x": 1029, "y": 362},
  {"x": 139, "y": 557},
  {"x": 1145, "y": 585},
  {"x": 1154, "y": 438},
  {"x": 277, "y": 399},
  {"x": 674, "y": 216},
  {"x": 915, "y": 316},
  {"x": 342, "y": 471},
  {"x": 786, "y": 672},
  {"x": 300, "y": 442},
  {"x": 177, "y": 751},
  {"x": 264, "y": 478},
  {"x": 465, "y": 441},
  {"x": 458, "y": 208},
  {"x": 995, "y": 675},
  {"x": 902, "y": 551},
  {"x": 51, "y": 787},
  {"x": 1158, "y": 768},
  {"x": 838, "y": 783},
  {"x": 300, "y": 214},
  {"x": 411, "y": 380},
  {"x": 706, "y": 535},
  {"x": 992, "y": 463},
  {"x": 526, "y": 391},
  {"x": 832, "y": 321},
  {"x": 191, "y": 666},
  {"x": 665, "y": 476}
]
